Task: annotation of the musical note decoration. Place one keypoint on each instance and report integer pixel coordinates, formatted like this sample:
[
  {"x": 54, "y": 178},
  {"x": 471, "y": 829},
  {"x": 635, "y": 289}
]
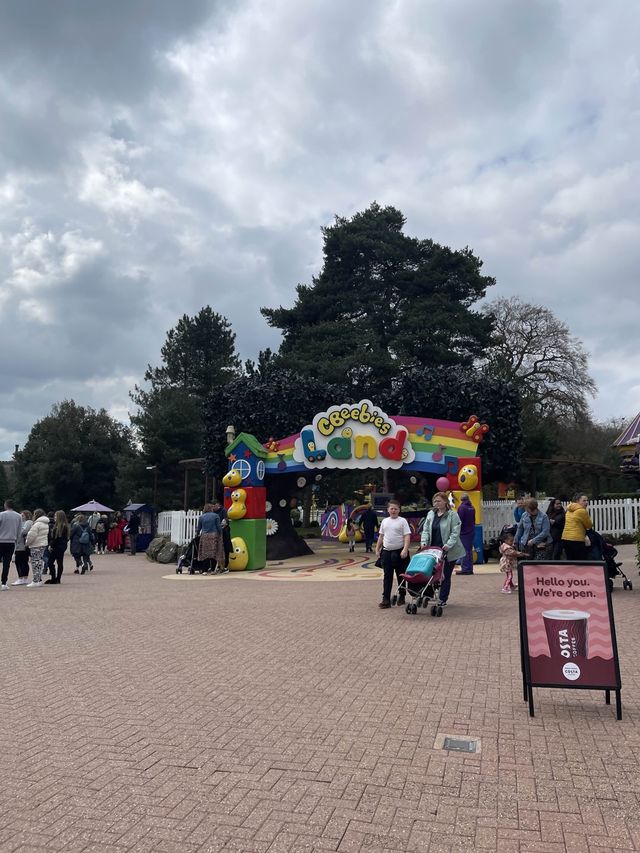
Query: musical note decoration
[
  {"x": 426, "y": 432},
  {"x": 438, "y": 455}
]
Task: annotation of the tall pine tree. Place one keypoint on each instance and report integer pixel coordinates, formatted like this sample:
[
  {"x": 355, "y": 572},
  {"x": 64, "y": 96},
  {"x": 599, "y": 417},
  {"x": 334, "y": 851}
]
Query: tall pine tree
[{"x": 383, "y": 302}]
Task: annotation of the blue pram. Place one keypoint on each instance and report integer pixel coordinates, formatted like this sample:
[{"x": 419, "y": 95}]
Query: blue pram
[{"x": 421, "y": 581}]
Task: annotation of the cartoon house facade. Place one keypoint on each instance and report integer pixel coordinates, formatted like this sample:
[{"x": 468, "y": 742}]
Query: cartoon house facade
[
  {"x": 350, "y": 435},
  {"x": 245, "y": 497}
]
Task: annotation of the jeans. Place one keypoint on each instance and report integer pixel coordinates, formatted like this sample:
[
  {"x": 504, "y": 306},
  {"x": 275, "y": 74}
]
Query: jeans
[
  {"x": 22, "y": 564},
  {"x": 6, "y": 553},
  {"x": 82, "y": 561},
  {"x": 56, "y": 558},
  {"x": 368, "y": 540},
  {"x": 391, "y": 562},
  {"x": 556, "y": 550},
  {"x": 445, "y": 584},
  {"x": 226, "y": 544}
]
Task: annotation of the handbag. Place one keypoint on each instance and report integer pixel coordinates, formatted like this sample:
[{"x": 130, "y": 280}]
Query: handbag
[{"x": 378, "y": 562}]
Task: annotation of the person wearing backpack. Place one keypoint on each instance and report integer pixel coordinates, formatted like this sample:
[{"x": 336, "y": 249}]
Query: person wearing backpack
[
  {"x": 81, "y": 540},
  {"x": 101, "y": 530}
]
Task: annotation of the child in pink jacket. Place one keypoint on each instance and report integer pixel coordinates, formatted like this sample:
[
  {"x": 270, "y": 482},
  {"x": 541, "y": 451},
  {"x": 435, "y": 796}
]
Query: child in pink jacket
[{"x": 509, "y": 562}]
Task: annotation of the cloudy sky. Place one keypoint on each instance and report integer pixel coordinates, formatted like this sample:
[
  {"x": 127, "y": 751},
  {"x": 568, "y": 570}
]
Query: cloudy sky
[{"x": 156, "y": 156}]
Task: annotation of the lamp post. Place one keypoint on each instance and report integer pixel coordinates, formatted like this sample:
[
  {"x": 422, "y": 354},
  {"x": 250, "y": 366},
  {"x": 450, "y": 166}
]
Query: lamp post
[{"x": 154, "y": 468}]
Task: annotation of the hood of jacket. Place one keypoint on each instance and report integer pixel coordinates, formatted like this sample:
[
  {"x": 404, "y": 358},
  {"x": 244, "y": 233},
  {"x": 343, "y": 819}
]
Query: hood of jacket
[{"x": 574, "y": 507}]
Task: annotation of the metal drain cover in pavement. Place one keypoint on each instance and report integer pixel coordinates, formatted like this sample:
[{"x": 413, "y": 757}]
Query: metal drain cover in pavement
[{"x": 459, "y": 744}]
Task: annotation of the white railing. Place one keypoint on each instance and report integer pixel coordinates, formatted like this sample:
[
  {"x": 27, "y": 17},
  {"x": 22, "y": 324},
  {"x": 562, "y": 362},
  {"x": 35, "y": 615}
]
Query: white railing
[
  {"x": 179, "y": 526},
  {"x": 616, "y": 517}
]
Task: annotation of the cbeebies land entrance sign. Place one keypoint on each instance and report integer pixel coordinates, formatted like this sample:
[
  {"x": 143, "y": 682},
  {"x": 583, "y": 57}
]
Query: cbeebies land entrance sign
[{"x": 353, "y": 435}]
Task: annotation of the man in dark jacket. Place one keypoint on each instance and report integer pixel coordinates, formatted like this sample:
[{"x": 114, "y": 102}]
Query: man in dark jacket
[
  {"x": 226, "y": 530},
  {"x": 467, "y": 514},
  {"x": 368, "y": 521},
  {"x": 133, "y": 530}
]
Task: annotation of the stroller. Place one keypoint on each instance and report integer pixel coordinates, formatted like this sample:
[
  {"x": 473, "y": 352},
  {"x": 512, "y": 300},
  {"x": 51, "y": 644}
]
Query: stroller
[
  {"x": 421, "y": 581},
  {"x": 492, "y": 549},
  {"x": 189, "y": 559},
  {"x": 605, "y": 551}
]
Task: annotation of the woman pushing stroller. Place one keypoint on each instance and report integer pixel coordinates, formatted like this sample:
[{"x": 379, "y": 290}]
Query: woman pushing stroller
[
  {"x": 442, "y": 530},
  {"x": 211, "y": 546}
]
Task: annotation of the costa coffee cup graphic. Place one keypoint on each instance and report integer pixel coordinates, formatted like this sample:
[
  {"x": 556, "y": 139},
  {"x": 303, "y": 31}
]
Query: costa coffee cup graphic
[{"x": 567, "y": 633}]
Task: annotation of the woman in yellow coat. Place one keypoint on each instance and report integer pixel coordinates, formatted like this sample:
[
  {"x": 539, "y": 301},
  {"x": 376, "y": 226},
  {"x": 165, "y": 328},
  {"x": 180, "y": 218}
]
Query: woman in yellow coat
[{"x": 576, "y": 523}]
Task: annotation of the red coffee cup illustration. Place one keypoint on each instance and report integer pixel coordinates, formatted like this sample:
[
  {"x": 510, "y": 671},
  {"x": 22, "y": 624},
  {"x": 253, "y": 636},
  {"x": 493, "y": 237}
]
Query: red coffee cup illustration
[{"x": 567, "y": 633}]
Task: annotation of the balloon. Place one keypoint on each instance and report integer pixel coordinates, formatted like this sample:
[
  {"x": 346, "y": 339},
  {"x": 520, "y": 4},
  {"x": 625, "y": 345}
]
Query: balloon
[{"x": 442, "y": 484}]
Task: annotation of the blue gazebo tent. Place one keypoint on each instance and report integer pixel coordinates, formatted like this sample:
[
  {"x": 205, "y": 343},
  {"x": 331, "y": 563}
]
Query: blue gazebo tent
[{"x": 147, "y": 515}]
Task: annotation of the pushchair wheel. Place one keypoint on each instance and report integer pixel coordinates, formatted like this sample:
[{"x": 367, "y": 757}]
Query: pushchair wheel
[
  {"x": 414, "y": 609},
  {"x": 419, "y": 603},
  {"x": 408, "y": 608},
  {"x": 425, "y": 602},
  {"x": 394, "y": 600},
  {"x": 627, "y": 585},
  {"x": 192, "y": 571},
  {"x": 434, "y": 610},
  {"x": 439, "y": 611},
  {"x": 179, "y": 570}
]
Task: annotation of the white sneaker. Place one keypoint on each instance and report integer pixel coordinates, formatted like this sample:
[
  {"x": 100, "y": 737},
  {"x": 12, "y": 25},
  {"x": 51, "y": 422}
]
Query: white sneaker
[
  {"x": 35, "y": 583},
  {"x": 4, "y": 588},
  {"x": 20, "y": 582}
]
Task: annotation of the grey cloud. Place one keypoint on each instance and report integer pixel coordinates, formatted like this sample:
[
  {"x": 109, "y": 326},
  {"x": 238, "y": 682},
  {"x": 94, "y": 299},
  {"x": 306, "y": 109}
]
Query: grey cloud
[
  {"x": 202, "y": 145},
  {"x": 109, "y": 49}
]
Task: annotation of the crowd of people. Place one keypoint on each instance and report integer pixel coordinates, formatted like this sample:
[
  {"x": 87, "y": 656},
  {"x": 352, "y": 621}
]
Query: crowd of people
[
  {"x": 549, "y": 535},
  {"x": 38, "y": 541},
  {"x": 537, "y": 535}
]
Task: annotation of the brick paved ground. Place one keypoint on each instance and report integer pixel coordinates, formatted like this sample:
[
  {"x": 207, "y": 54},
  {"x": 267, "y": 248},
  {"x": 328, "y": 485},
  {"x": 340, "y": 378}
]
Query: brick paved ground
[{"x": 142, "y": 714}]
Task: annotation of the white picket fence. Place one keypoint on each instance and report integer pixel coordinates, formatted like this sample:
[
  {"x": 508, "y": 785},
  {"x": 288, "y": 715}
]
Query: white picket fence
[
  {"x": 610, "y": 517},
  {"x": 178, "y": 525},
  {"x": 616, "y": 517}
]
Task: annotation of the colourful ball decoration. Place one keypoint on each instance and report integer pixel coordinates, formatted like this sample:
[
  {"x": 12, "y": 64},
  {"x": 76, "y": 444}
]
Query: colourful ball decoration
[{"x": 443, "y": 484}]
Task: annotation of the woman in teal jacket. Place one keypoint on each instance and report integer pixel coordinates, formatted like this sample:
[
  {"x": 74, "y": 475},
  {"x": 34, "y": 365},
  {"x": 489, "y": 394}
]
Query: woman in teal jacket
[{"x": 442, "y": 530}]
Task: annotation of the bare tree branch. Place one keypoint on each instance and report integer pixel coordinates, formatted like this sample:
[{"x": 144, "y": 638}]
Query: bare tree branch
[{"x": 533, "y": 348}]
